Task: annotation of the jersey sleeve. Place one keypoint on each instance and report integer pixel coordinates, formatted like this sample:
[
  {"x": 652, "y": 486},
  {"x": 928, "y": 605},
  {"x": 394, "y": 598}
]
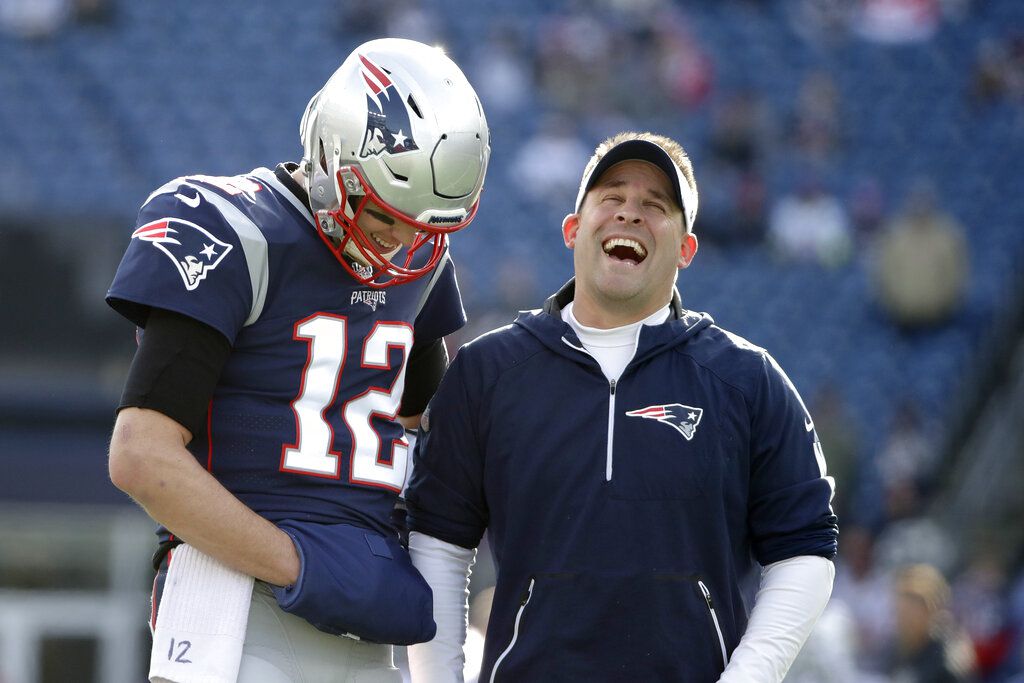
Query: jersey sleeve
[
  {"x": 442, "y": 312},
  {"x": 789, "y": 509},
  {"x": 184, "y": 256},
  {"x": 445, "y": 497}
]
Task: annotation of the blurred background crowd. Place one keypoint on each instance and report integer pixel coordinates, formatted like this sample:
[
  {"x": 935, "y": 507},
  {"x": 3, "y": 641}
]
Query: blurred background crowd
[{"x": 861, "y": 217}]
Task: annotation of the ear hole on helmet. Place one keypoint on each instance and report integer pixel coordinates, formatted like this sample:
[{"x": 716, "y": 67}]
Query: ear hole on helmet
[
  {"x": 398, "y": 176},
  {"x": 323, "y": 157},
  {"x": 412, "y": 105}
]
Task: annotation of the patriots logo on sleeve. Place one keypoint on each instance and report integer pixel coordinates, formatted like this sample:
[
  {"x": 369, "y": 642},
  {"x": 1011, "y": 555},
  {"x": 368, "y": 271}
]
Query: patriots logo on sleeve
[
  {"x": 193, "y": 250},
  {"x": 683, "y": 419}
]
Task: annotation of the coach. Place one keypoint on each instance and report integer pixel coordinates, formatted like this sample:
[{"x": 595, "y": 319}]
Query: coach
[{"x": 636, "y": 467}]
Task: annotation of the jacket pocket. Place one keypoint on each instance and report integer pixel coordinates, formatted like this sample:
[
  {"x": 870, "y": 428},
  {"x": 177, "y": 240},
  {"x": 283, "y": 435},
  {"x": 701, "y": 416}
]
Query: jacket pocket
[
  {"x": 715, "y": 623},
  {"x": 606, "y": 627},
  {"x": 523, "y": 603}
]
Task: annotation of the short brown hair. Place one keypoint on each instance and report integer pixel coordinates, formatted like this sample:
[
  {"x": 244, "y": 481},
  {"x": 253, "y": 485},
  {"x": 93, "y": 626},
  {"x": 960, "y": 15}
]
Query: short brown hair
[{"x": 668, "y": 146}]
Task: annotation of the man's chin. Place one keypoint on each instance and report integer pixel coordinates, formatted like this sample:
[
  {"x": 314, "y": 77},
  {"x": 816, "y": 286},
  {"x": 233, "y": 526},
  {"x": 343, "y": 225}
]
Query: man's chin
[{"x": 353, "y": 252}]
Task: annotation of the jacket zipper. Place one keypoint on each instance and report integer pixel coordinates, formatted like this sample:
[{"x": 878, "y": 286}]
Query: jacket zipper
[
  {"x": 611, "y": 412},
  {"x": 611, "y": 431},
  {"x": 714, "y": 619},
  {"x": 515, "y": 629}
]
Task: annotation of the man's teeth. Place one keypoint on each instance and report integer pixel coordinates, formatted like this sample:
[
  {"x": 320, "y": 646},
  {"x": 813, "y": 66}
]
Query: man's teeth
[
  {"x": 629, "y": 244},
  {"x": 387, "y": 245}
]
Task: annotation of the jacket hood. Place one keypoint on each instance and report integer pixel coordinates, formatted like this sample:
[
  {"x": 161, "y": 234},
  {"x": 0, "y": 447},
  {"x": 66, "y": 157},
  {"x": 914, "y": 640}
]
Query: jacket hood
[{"x": 547, "y": 326}]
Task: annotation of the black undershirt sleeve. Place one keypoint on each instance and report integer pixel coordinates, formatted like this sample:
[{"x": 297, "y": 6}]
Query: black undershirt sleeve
[
  {"x": 427, "y": 363},
  {"x": 176, "y": 368}
]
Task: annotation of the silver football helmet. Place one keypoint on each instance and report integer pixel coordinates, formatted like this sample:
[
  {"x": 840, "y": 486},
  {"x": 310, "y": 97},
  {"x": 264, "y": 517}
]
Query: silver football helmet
[{"x": 400, "y": 128}]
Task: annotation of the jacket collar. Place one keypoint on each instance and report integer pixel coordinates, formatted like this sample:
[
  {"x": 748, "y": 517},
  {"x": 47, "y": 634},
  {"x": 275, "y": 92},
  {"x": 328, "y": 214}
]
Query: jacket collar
[{"x": 557, "y": 301}]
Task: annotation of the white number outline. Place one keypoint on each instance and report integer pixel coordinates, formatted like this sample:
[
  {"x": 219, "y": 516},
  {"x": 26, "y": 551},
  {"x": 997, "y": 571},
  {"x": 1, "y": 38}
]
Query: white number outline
[
  {"x": 365, "y": 457},
  {"x": 370, "y": 461}
]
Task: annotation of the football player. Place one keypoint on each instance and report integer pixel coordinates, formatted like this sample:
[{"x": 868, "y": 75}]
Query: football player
[{"x": 290, "y": 319}]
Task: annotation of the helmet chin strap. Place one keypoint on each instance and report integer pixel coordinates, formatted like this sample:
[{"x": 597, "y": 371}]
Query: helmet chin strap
[{"x": 322, "y": 194}]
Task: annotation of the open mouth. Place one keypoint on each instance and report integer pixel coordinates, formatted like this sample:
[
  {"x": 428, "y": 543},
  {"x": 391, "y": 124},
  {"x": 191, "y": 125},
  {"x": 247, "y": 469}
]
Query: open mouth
[
  {"x": 385, "y": 245},
  {"x": 623, "y": 249}
]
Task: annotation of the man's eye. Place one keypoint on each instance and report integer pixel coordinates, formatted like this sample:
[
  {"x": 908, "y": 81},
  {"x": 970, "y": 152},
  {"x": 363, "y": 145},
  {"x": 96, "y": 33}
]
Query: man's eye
[
  {"x": 656, "y": 206},
  {"x": 613, "y": 198}
]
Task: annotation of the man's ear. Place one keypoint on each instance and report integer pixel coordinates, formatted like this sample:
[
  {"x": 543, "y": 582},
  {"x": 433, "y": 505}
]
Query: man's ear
[
  {"x": 570, "y": 226},
  {"x": 688, "y": 250}
]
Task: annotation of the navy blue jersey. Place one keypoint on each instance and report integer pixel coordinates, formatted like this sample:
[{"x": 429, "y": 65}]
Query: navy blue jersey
[
  {"x": 624, "y": 516},
  {"x": 301, "y": 422}
]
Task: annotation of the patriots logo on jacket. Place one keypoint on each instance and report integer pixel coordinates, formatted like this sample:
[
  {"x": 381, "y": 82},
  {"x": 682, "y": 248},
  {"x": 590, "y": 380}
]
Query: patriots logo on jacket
[
  {"x": 683, "y": 419},
  {"x": 193, "y": 250},
  {"x": 388, "y": 128}
]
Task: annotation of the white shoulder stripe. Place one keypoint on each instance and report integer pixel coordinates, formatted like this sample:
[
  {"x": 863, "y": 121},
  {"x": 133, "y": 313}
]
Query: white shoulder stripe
[
  {"x": 166, "y": 188},
  {"x": 268, "y": 177},
  {"x": 254, "y": 245}
]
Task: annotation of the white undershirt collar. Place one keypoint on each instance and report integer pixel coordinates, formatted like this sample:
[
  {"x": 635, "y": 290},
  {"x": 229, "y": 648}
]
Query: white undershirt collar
[{"x": 615, "y": 347}]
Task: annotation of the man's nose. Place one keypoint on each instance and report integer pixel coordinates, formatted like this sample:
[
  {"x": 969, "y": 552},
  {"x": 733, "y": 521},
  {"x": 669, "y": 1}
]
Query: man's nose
[{"x": 629, "y": 212}]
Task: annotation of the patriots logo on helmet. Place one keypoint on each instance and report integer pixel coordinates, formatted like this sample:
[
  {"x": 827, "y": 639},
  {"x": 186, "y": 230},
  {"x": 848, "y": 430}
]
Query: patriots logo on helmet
[
  {"x": 193, "y": 250},
  {"x": 388, "y": 128},
  {"x": 683, "y": 419}
]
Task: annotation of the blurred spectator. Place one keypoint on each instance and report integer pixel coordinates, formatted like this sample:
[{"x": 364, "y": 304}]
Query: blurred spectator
[
  {"x": 500, "y": 69},
  {"x": 658, "y": 65},
  {"x": 685, "y": 68},
  {"x": 867, "y": 209},
  {"x": 820, "y": 22},
  {"x": 574, "y": 54},
  {"x": 750, "y": 198},
  {"x": 366, "y": 18},
  {"x": 733, "y": 206},
  {"x": 840, "y": 441},
  {"x": 548, "y": 163},
  {"x": 866, "y": 589},
  {"x": 817, "y": 120},
  {"x": 998, "y": 73},
  {"x": 916, "y": 539},
  {"x": 33, "y": 19},
  {"x": 906, "y": 461},
  {"x": 409, "y": 19},
  {"x": 741, "y": 127},
  {"x": 810, "y": 225},
  {"x": 393, "y": 18},
  {"x": 923, "y": 264},
  {"x": 929, "y": 646},
  {"x": 512, "y": 286},
  {"x": 1015, "y": 659},
  {"x": 979, "y": 604},
  {"x": 897, "y": 21},
  {"x": 830, "y": 653},
  {"x": 94, "y": 12},
  {"x": 733, "y": 195}
]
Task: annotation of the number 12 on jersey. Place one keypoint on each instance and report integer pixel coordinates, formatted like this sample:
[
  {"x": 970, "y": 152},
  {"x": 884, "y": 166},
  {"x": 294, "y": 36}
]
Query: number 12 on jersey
[{"x": 327, "y": 337}]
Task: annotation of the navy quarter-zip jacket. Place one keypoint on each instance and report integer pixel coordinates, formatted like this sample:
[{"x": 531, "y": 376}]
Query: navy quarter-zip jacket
[{"x": 624, "y": 517}]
